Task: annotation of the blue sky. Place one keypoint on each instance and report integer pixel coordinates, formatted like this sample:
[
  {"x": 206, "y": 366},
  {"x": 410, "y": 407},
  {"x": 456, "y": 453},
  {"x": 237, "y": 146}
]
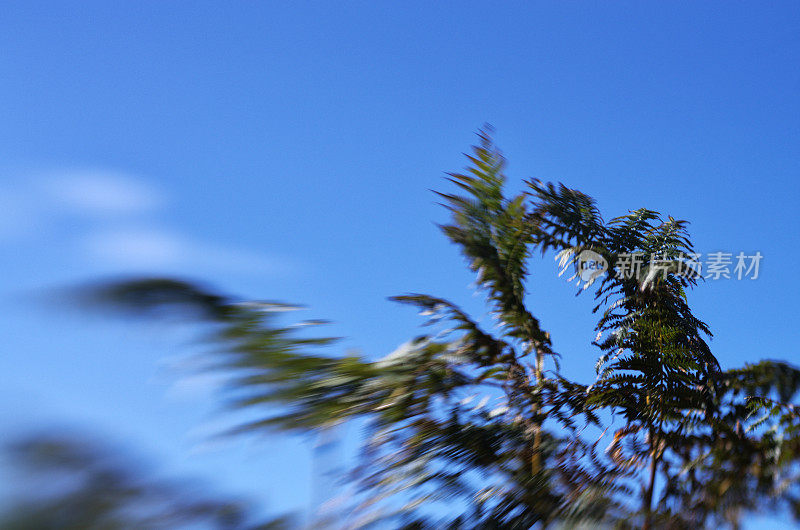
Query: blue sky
[{"x": 286, "y": 151}]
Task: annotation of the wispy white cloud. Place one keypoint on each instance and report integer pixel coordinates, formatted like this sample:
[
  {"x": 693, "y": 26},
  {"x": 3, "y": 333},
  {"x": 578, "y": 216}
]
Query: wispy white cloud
[
  {"x": 101, "y": 192},
  {"x": 31, "y": 203},
  {"x": 135, "y": 247},
  {"x": 154, "y": 248},
  {"x": 111, "y": 217}
]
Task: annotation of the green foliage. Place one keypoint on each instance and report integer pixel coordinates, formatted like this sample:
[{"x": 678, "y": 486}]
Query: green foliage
[{"x": 704, "y": 445}]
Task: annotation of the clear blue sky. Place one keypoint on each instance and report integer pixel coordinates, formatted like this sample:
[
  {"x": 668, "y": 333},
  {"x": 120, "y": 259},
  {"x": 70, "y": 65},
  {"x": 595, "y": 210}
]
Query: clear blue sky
[{"x": 285, "y": 151}]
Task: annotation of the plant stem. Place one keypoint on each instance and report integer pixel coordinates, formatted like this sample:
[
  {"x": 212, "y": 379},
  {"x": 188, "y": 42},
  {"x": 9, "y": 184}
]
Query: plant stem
[{"x": 648, "y": 493}]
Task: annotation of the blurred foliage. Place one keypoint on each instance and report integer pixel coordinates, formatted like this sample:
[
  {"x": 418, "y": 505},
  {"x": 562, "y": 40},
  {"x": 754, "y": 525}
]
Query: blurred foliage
[
  {"x": 485, "y": 422},
  {"x": 69, "y": 482}
]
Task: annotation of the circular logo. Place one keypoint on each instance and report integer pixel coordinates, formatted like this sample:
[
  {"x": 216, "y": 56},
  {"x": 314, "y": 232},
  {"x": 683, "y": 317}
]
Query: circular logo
[{"x": 590, "y": 265}]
